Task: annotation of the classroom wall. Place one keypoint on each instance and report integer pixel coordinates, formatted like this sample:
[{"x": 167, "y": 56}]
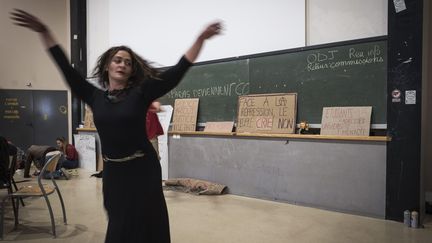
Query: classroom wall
[
  {"x": 339, "y": 20},
  {"x": 97, "y": 31},
  {"x": 24, "y": 60},
  {"x": 162, "y": 31},
  {"x": 276, "y": 25}
]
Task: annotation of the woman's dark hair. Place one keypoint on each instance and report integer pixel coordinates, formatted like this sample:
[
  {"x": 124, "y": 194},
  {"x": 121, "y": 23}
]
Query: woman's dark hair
[
  {"x": 64, "y": 142},
  {"x": 141, "y": 69}
]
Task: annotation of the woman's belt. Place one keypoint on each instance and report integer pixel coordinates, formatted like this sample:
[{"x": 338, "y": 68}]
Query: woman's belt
[{"x": 137, "y": 154}]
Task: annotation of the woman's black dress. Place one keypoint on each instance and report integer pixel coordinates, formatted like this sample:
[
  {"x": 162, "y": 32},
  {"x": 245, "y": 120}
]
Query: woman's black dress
[{"x": 133, "y": 196}]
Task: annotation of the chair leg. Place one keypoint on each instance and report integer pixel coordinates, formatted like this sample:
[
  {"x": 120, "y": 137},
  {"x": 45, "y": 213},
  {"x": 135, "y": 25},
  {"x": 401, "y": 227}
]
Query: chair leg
[
  {"x": 16, "y": 211},
  {"x": 2, "y": 211},
  {"x": 62, "y": 204},
  {"x": 51, "y": 215},
  {"x": 2, "y": 218},
  {"x": 22, "y": 202},
  {"x": 16, "y": 189},
  {"x": 14, "y": 206}
]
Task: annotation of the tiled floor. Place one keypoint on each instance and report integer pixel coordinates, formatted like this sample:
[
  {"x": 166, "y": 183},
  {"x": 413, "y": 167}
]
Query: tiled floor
[{"x": 206, "y": 219}]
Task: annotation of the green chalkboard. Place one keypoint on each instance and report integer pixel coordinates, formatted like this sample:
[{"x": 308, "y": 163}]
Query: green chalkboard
[
  {"x": 351, "y": 73},
  {"x": 217, "y": 85},
  {"x": 348, "y": 75}
]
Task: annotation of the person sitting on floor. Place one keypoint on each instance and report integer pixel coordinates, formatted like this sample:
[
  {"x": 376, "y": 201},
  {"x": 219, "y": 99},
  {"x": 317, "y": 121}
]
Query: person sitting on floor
[{"x": 69, "y": 159}]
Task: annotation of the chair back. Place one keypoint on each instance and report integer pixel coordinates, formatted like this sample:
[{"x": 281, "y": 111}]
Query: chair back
[
  {"x": 52, "y": 161},
  {"x": 49, "y": 166},
  {"x": 12, "y": 165}
]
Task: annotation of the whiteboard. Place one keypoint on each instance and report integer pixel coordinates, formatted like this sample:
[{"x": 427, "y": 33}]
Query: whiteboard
[{"x": 85, "y": 145}]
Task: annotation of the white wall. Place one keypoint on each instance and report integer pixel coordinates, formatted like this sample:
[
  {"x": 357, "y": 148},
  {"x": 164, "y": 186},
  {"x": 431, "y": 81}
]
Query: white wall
[
  {"x": 340, "y": 20},
  {"x": 97, "y": 31},
  {"x": 161, "y": 31}
]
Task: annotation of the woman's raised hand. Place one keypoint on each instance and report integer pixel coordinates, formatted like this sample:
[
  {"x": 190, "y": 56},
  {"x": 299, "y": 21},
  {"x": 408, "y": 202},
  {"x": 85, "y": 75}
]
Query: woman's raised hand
[
  {"x": 24, "y": 19},
  {"x": 211, "y": 30}
]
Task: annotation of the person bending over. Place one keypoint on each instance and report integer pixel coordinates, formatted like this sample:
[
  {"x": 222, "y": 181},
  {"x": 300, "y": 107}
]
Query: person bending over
[{"x": 36, "y": 154}]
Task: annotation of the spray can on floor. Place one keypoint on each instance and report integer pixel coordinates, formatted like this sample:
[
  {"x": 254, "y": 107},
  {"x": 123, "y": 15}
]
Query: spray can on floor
[
  {"x": 414, "y": 219},
  {"x": 407, "y": 218}
]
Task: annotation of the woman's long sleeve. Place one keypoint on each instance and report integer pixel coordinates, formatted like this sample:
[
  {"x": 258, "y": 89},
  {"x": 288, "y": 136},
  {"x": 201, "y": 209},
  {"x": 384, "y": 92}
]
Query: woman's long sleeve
[
  {"x": 77, "y": 83},
  {"x": 169, "y": 79}
]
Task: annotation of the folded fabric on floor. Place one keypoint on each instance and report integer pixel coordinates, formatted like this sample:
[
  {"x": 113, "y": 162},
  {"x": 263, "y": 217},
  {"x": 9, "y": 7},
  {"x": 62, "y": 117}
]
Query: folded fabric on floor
[
  {"x": 73, "y": 172},
  {"x": 195, "y": 186}
]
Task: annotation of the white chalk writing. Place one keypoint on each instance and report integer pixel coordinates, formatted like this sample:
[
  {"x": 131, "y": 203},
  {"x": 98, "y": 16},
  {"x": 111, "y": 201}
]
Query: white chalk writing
[
  {"x": 326, "y": 60},
  {"x": 231, "y": 89}
]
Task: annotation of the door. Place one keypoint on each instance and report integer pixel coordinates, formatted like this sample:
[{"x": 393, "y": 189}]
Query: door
[
  {"x": 49, "y": 116},
  {"x": 33, "y": 117},
  {"x": 16, "y": 123}
]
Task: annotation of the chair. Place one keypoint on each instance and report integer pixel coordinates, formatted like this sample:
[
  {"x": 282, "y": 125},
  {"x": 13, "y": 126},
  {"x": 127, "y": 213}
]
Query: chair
[
  {"x": 43, "y": 190},
  {"x": 12, "y": 165}
]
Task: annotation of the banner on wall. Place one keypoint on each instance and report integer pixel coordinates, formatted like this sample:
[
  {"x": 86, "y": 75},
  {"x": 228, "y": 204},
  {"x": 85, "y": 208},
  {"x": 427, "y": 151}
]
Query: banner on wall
[
  {"x": 267, "y": 113},
  {"x": 185, "y": 115}
]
